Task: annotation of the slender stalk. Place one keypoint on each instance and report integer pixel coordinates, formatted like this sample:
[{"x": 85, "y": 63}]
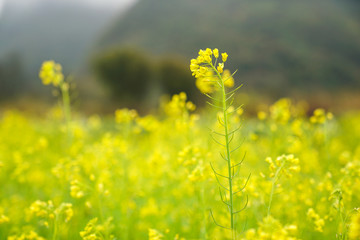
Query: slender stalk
[
  {"x": 201, "y": 67},
  {"x": 343, "y": 224},
  {"x": 228, "y": 152},
  {"x": 228, "y": 157},
  {"x": 203, "y": 233},
  {"x": 64, "y": 87},
  {"x": 55, "y": 227},
  {"x": 274, "y": 180},
  {"x": 66, "y": 104}
]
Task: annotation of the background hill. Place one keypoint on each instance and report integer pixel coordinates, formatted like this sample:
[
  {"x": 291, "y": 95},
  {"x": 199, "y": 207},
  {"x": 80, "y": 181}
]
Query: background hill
[
  {"x": 307, "y": 49},
  {"x": 277, "y": 45},
  {"x": 39, "y": 30}
]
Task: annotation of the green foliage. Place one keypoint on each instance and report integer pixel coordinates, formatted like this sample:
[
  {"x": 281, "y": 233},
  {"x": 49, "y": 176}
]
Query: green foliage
[
  {"x": 11, "y": 76},
  {"x": 126, "y": 73},
  {"x": 132, "y": 76},
  {"x": 174, "y": 77}
]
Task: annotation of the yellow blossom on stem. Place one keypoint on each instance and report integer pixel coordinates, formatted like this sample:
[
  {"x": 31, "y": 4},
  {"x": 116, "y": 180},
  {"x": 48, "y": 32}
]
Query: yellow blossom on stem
[
  {"x": 220, "y": 67},
  {"x": 51, "y": 72},
  {"x": 216, "y": 53},
  {"x": 228, "y": 79},
  {"x": 316, "y": 219},
  {"x": 224, "y": 56}
]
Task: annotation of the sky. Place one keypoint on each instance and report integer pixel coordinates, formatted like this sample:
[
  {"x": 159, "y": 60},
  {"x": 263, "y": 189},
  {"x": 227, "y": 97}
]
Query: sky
[
  {"x": 96, "y": 3},
  {"x": 1, "y": 5}
]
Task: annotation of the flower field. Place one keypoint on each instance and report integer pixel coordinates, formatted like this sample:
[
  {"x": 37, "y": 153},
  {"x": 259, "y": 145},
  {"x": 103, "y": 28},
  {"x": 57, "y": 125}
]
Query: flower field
[
  {"x": 163, "y": 175},
  {"x": 126, "y": 175}
]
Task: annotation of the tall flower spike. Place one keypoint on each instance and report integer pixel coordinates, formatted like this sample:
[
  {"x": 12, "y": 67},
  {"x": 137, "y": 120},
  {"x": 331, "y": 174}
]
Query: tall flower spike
[
  {"x": 209, "y": 78},
  {"x": 51, "y": 73}
]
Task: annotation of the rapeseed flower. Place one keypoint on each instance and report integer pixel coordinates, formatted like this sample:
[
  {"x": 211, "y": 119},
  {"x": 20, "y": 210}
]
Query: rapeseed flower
[
  {"x": 206, "y": 73},
  {"x": 354, "y": 229},
  {"x": 155, "y": 234},
  {"x": 51, "y": 73}
]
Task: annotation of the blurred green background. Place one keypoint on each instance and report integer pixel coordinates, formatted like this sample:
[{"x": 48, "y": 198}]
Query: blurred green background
[{"x": 129, "y": 53}]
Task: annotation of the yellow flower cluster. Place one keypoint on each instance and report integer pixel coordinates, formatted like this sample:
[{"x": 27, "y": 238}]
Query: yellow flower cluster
[
  {"x": 206, "y": 82},
  {"x": 207, "y": 73},
  {"x": 197, "y": 174},
  {"x": 193, "y": 159},
  {"x": 178, "y": 106},
  {"x": 281, "y": 110},
  {"x": 76, "y": 190},
  {"x": 354, "y": 229},
  {"x": 42, "y": 209},
  {"x": 286, "y": 164},
  {"x": 137, "y": 177},
  {"x": 320, "y": 116},
  {"x": 65, "y": 209},
  {"x": 316, "y": 219},
  {"x": 31, "y": 235},
  {"x": 90, "y": 232},
  {"x": 352, "y": 169},
  {"x": 228, "y": 79},
  {"x": 4, "y": 219},
  {"x": 125, "y": 115},
  {"x": 271, "y": 229},
  {"x": 155, "y": 234},
  {"x": 96, "y": 231},
  {"x": 51, "y": 73},
  {"x": 47, "y": 211}
]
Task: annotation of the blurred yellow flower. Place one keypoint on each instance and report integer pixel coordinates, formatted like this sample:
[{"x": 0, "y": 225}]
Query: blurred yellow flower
[
  {"x": 224, "y": 56},
  {"x": 51, "y": 73}
]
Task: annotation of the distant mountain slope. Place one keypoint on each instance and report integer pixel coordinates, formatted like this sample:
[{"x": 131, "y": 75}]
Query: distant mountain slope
[
  {"x": 59, "y": 30},
  {"x": 274, "y": 44}
]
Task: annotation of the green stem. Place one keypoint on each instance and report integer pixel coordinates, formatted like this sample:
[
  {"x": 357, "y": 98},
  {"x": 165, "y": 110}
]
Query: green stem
[
  {"x": 55, "y": 228},
  {"x": 66, "y": 104},
  {"x": 202, "y": 201},
  {"x": 227, "y": 147},
  {"x": 343, "y": 226},
  {"x": 102, "y": 217},
  {"x": 274, "y": 180},
  {"x": 228, "y": 156},
  {"x": 101, "y": 209}
]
